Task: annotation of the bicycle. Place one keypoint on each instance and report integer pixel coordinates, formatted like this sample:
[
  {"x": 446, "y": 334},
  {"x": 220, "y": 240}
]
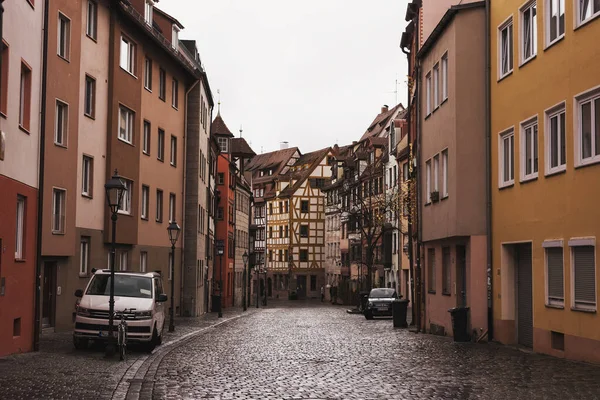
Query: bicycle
[{"x": 122, "y": 334}]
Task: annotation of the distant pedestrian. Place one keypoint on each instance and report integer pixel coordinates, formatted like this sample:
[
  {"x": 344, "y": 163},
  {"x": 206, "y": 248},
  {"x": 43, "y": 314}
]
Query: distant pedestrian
[{"x": 322, "y": 294}]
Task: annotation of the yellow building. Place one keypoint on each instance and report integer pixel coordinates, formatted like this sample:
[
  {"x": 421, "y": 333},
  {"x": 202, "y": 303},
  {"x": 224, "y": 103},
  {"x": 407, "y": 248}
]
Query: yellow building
[{"x": 545, "y": 175}]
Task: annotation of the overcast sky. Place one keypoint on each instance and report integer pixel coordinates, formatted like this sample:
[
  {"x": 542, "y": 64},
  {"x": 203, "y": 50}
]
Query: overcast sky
[{"x": 311, "y": 72}]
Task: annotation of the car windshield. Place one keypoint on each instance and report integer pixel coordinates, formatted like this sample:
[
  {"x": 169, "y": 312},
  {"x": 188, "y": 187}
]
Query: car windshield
[
  {"x": 382, "y": 293},
  {"x": 125, "y": 286}
]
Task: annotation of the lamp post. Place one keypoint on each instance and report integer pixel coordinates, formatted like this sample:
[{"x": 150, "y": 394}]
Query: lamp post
[
  {"x": 173, "y": 229},
  {"x": 245, "y": 259},
  {"x": 265, "y": 298},
  {"x": 256, "y": 271},
  {"x": 115, "y": 189}
]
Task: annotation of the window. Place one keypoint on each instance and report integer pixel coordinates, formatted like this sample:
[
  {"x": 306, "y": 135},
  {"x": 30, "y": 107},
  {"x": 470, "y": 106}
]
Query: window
[
  {"x": 555, "y": 276},
  {"x": 287, "y": 232},
  {"x": 303, "y": 255},
  {"x": 125, "y": 124},
  {"x": 123, "y": 260},
  {"x": 162, "y": 84},
  {"x": 84, "y": 255},
  {"x": 62, "y": 123},
  {"x": 528, "y": 31},
  {"x": 175, "y": 94},
  {"x": 313, "y": 283},
  {"x": 270, "y": 232},
  {"x": 64, "y": 36},
  {"x": 584, "y": 273},
  {"x": 159, "y": 205},
  {"x": 25, "y": 96},
  {"x": 280, "y": 231},
  {"x": 428, "y": 98},
  {"x": 175, "y": 37},
  {"x": 146, "y": 137},
  {"x": 507, "y": 158},
  {"x": 20, "y": 229},
  {"x": 220, "y": 178},
  {"x": 304, "y": 231},
  {"x": 436, "y": 172},
  {"x": 173, "y": 150},
  {"x": 143, "y": 261},
  {"x": 125, "y": 206},
  {"x": 444, "y": 76},
  {"x": 220, "y": 214},
  {"x": 90, "y": 96},
  {"x": 445, "y": 173},
  {"x": 148, "y": 74},
  {"x": 145, "y": 202},
  {"x": 431, "y": 270},
  {"x": 555, "y": 139},
  {"x": 436, "y": 86},
  {"x": 4, "y": 77},
  {"x": 506, "y": 48},
  {"x": 587, "y": 9},
  {"x": 555, "y": 24},
  {"x": 446, "y": 273},
  {"x": 304, "y": 206},
  {"x": 161, "y": 145},
  {"x": 148, "y": 12},
  {"x": 58, "y": 210},
  {"x": 428, "y": 181},
  {"x": 588, "y": 137},
  {"x": 172, "y": 206},
  {"x": 529, "y": 150},
  {"x": 92, "y": 19},
  {"x": 127, "y": 60},
  {"x": 87, "y": 173},
  {"x": 405, "y": 175},
  {"x": 222, "y": 144}
]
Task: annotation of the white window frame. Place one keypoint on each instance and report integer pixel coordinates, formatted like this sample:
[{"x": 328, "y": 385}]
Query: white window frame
[
  {"x": 20, "y": 227},
  {"x": 507, "y": 24},
  {"x": 223, "y": 144},
  {"x": 592, "y": 96},
  {"x": 148, "y": 12},
  {"x": 428, "y": 181},
  {"x": 445, "y": 77},
  {"x": 444, "y": 192},
  {"x": 548, "y": 21},
  {"x": 60, "y": 229},
  {"x": 159, "y": 205},
  {"x": 145, "y": 202},
  {"x": 148, "y": 74},
  {"x": 123, "y": 259},
  {"x": 143, "y": 261},
  {"x": 91, "y": 28},
  {"x": 528, "y": 8},
  {"x": 550, "y": 244},
  {"x": 173, "y": 152},
  {"x": 529, "y": 123},
  {"x": 580, "y": 242},
  {"x": 127, "y": 135},
  {"x": 127, "y": 55},
  {"x": 172, "y": 201},
  {"x": 125, "y": 206},
  {"x": 63, "y": 47},
  {"x": 64, "y": 129},
  {"x": 501, "y": 136},
  {"x": 579, "y": 21},
  {"x": 549, "y": 114},
  {"x": 87, "y": 167},
  {"x": 175, "y": 93},
  {"x": 428, "y": 94},
  {"x": 436, "y": 86},
  {"x": 146, "y": 137},
  {"x": 161, "y": 145},
  {"x": 90, "y": 96},
  {"x": 84, "y": 255},
  {"x": 175, "y": 37},
  {"x": 436, "y": 173}
]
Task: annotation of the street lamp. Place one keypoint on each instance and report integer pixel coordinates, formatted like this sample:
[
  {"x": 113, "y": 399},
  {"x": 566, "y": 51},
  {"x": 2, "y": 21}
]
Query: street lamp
[
  {"x": 173, "y": 229},
  {"x": 265, "y": 298},
  {"x": 257, "y": 271},
  {"x": 115, "y": 189},
  {"x": 245, "y": 259}
]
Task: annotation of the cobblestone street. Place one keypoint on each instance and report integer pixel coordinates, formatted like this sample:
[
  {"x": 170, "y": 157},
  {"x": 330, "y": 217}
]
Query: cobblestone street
[{"x": 299, "y": 351}]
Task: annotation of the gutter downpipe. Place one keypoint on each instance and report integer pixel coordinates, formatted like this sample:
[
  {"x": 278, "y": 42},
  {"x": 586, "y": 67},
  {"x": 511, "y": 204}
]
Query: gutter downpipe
[
  {"x": 421, "y": 313},
  {"x": 38, "y": 263},
  {"x": 488, "y": 181}
]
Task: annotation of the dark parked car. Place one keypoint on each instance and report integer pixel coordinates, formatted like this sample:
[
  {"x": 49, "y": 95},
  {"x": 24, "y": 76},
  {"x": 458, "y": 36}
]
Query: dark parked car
[{"x": 379, "y": 303}]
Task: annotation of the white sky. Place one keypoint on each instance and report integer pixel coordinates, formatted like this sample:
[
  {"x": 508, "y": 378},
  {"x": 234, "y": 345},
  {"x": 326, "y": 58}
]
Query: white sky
[{"x": 310, "y": 72}]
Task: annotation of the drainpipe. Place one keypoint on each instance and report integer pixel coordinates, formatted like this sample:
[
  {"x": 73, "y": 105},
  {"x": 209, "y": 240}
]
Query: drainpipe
[
  {"x": 488, "y": 180},
  {"x": 38, "y": 261},
  {"x": 420, "y": 286}
]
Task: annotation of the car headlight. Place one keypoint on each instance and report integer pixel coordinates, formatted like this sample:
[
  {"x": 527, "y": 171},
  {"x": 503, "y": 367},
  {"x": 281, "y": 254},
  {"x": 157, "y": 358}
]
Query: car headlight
[
  {"x": 83, "y": 312},
  {"x": 143, "y": 314}
]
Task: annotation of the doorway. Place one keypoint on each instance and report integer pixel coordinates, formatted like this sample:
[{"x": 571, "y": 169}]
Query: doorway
[
  {"x": 524, "y": 295},
  {"x": 49, "y": 294},
  {"x": 269, "y": 287},
  {"x": 461, "y": 276},
  {"x": 406, "y": 285},
  {"x": 301, "y": 286}
]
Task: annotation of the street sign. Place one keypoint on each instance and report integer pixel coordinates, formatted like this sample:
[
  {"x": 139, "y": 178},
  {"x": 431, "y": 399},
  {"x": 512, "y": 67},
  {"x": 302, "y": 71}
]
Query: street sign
[{"x": 220, "y": 244}]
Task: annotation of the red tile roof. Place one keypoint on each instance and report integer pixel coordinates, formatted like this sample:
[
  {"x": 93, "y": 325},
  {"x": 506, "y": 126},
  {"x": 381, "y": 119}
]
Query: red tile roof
[
  {"x": 218, "y": 127},
  {"x": 381, "y": 122}
]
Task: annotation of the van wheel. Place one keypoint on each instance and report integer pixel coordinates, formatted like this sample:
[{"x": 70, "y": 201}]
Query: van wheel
[
  {"x": 80, "y": 343},
  {"x": 153, "y": 342},
  {"x": 368, "y": 315},
  {"x": 159, "y": 338}
]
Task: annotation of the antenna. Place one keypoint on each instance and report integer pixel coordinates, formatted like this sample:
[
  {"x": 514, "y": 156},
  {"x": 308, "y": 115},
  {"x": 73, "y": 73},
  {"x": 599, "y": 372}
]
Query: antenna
[
  {"x": 219, "y": 101},
  {"x": 241, "y": 130}
]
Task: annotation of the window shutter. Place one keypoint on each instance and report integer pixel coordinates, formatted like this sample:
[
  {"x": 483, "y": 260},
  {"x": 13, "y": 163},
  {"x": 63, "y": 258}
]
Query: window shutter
[
  {"x": 585, "y": 275},
  {"x": 555, "y": 274}
]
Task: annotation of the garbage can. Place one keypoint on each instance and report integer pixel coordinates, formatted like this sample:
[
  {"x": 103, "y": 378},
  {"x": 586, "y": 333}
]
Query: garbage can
[
  {"x": 399, "y": 309},
  {"x": 460, "y": 321},
  {"x": 216, "y": 302},
  {"x": 364, "y": 298}
]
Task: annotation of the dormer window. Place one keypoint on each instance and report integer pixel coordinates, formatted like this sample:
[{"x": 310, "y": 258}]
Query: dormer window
[
  {"x": 392, "y": 137},
  {"x": 223, "y": 142},
  {"x": 148, "y": 12},
  {"x": 175, "y": 37}
]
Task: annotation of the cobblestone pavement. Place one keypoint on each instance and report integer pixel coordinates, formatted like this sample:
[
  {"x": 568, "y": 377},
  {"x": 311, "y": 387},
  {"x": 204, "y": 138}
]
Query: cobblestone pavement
[{"x": 296, "y": 351}]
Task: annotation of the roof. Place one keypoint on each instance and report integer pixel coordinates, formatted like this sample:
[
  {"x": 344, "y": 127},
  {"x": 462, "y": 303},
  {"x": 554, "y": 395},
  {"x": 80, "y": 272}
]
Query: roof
[
  {"x": 239, "y": 147},
  {"x": 378, "y": 141},
  {"x": 271, "y": 159},
  {"x": 311, "y": 160},
  {"x": 380, "y": 122},
  {"x": 444, "y": 23},
  {"x": 218, "y": 127},
  {"x": 173, "y": 19}
]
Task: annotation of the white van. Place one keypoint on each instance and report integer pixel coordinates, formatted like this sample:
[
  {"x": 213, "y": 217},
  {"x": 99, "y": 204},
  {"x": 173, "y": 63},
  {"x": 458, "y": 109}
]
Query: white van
[{"x": 140, "y": 291}]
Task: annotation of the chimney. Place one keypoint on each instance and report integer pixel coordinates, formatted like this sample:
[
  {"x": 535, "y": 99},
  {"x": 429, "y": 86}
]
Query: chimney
[
  {"x": 283, "y": 145},
  {"x": 384, "y": 109}
]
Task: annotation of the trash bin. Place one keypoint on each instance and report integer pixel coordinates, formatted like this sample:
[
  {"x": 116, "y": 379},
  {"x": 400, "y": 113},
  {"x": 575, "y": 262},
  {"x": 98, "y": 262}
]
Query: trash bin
[
  {"x": 364, "y": 298},
  {"x": 460, "y": 322},
  {"x": 216, "y": 302},
  {"x": 399, "y": 309}
]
